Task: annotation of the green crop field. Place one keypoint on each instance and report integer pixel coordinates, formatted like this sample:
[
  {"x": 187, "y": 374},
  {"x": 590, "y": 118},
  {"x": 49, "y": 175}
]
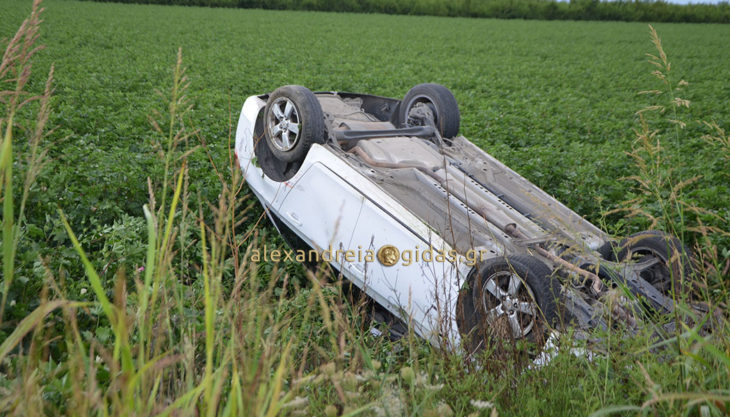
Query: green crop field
[{"x": 555, "y": 100}]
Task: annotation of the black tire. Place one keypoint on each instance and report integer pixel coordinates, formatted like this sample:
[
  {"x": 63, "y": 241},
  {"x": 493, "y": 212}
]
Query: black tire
[
  {"x": 675, "y": 269},
  {"x": 476, "y": 308},
  {"x": 442, "y": 104},
  {"x": 293, "y": 110},
  {"x": 608, "y": 250}
]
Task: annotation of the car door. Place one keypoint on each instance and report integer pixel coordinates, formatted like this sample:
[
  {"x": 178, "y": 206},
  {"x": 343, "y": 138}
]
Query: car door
[{"x": 323, "y": 210}]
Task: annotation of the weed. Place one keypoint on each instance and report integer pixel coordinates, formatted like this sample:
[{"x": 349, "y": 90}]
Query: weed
[
  {"x": 141, "y": 296},
  {"x": 702, "y": 361}
]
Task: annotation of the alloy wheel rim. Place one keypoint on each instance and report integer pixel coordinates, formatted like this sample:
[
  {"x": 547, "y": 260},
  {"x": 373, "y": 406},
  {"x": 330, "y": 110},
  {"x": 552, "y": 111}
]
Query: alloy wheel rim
[
  {"x": 505, "y": 295},
  {"x": 284, "y": 124}
]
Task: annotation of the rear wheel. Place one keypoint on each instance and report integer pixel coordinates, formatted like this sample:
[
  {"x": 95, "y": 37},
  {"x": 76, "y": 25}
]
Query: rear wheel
[
  {"x": 436, "y": 100},
  {"x": 508, "y": 301}
]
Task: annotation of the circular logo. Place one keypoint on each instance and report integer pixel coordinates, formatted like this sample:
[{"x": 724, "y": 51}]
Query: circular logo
[{"x": 388, "y": 255}]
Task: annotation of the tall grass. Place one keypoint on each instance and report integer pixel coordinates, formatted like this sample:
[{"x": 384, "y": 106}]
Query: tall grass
[
  {"x": 199, "y": 330},
  {"x": 659, "y": 196},
  {"x": 15, "y": 72},
  {"x": 231, "y": 340},
  {"x": 702, "y": 358}
]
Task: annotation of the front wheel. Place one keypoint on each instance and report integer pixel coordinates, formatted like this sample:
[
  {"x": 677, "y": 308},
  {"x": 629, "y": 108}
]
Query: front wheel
[
  {"x": 668, "y": 262},
  {"x": 506, "y": 301}
]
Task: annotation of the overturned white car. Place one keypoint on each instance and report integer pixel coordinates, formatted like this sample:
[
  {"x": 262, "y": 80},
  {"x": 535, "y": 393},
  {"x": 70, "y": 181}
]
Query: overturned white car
[{"x": 431, "y": 227}]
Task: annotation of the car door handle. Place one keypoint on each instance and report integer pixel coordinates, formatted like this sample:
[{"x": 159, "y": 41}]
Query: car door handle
[
  {"x": 294, "y": 218},
  {"x": 356, "y": 268}
]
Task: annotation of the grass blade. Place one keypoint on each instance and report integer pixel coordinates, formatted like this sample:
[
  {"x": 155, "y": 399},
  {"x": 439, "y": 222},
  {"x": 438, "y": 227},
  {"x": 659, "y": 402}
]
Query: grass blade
[{"x": 31, "y": 321}]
